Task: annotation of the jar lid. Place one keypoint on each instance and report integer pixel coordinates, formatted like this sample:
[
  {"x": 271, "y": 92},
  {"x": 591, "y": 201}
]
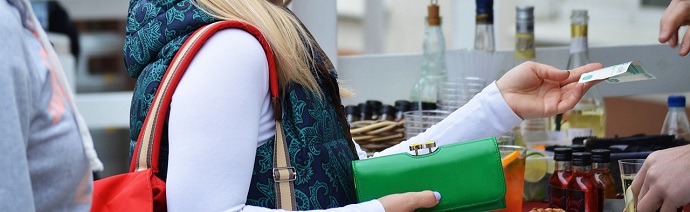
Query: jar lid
[
  {"x": 601, "y": 155},
  {"x": 562, "y": 154},
  {"x": 676, "y": 101},
  {"x": 351, "y": 109},
  {"x": 582, "y": 159}
]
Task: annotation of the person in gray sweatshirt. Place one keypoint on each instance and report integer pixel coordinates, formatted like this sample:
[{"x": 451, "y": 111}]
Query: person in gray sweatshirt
[{"x": 46, "y": 153}]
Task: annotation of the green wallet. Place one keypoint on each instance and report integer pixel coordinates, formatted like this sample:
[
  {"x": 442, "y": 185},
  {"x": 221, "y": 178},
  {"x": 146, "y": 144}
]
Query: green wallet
[{"x": 469, "y": 176}]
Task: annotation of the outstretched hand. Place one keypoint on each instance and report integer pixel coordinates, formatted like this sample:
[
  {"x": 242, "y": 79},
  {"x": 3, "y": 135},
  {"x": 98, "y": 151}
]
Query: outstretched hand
[{"x": 534, "y": 90}]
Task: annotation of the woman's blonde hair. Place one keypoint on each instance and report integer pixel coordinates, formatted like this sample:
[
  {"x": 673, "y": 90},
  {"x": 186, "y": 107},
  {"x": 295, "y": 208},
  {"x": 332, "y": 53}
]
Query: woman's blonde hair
[{"x": 282, "y": 30}]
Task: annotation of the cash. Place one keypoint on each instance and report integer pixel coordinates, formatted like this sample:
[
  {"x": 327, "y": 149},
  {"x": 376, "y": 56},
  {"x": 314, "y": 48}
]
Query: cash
[{"x": 626, "y": 72}]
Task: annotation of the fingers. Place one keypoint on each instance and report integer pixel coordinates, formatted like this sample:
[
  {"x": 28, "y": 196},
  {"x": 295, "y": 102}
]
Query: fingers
[
  {"x": 649, "y": 203},
  {"x": 685, "y": 44},
  {"x": 575, "y": 73},
  {"x": 668, "y": 207},
  {"x": 426, "y": 199},
  {"x": 637, "y": 183},
  {"x": 547, "y": 72},
  {"x": 670, "y": 22}
]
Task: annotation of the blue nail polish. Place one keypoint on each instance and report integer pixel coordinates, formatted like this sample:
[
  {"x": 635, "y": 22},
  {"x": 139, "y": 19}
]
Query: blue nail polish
[{"x": 438, "y": 195}]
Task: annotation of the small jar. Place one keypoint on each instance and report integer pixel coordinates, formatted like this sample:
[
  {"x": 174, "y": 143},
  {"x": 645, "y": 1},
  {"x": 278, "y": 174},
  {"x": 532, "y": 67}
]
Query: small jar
[
  {"x": 401, "y": 106},
  {"x": 388, "y": 113},
  {"x": 375, "y": 108},
  {"x": 364, "y": 111},
  {"x": 352, "y": 113}
]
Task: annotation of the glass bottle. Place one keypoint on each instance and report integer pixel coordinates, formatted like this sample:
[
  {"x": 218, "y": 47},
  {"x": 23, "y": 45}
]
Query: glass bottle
[
  {"x": 588, "y": 117},
  {"x": 602, "y": 175},
  {"x": 484, "y": 32},
  {"x": 434, "y": 59},
  {"x": 676, "y": 122},
  {"x": 558, "y": 181},
  {"x": 583, "y": 193},
  {"x": 531, "y": 129}
]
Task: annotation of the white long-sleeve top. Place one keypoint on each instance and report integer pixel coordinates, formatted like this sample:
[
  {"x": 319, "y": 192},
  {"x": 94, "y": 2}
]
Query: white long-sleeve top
[{"x": 223, "y": 103}]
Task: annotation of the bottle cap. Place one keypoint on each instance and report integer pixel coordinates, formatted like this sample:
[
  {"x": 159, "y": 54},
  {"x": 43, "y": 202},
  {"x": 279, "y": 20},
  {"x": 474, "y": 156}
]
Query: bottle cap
[
  {"x": 579, "y": 17},
  {"x": 402, "y": 105},
  {"x": 601, "y": 156},
  {"x": 388, "y": 110},
  {"x": 433, "y": 18},
  {"x": 364, "y": 108},
  {"x": 582, "y": 159},
  {"x": 375, "y": 105},
  {"x": 424, "y": 105},
  {"x": 676, "y": 101},
  {"x": 562, "y": 154},
  {"x": 351, "y": 109},
  {"x": 485, "y": 11},
  {"x": 524, "y": 19},
  {"x": 578, "y": 148}
]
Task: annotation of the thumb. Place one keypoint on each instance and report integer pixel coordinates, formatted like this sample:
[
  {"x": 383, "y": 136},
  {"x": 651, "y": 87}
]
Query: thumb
[{"x": 426, "y": 199}]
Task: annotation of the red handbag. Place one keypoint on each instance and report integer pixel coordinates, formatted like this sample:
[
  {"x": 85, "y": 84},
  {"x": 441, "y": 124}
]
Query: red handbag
[{"x": 141, "y": 189}]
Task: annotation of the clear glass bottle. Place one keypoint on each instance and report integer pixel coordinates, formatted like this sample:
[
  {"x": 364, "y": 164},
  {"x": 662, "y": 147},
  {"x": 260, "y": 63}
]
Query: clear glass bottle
[
  {"x": 531, "y": 129},
  {"x": 583, "y": 192},
  {"x": 602, "y": 175},
  {"x": 588, "y": 117},
  {"x": 484, "y": 32},
  {"x": 434, "y": 59},
  {"x": 676, "y": 122},
  {"x": 558, "y": 182}
]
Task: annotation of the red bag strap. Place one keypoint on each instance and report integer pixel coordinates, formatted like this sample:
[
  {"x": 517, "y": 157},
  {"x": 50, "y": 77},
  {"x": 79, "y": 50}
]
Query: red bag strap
[{"x": 148, "y": 144}]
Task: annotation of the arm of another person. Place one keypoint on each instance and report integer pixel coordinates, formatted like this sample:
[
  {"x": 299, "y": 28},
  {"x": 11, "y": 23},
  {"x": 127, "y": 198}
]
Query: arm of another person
[
  {"x": 15, "y": 186},
  {"x": 219, "y": 114},
  {"x": 530, "y": 90}
]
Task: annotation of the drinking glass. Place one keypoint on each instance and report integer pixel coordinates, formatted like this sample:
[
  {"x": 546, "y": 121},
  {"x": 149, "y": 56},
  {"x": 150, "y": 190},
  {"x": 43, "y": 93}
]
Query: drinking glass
[
  {"x": 629, "y": 168},
  {"x": 513, "y": 159}
]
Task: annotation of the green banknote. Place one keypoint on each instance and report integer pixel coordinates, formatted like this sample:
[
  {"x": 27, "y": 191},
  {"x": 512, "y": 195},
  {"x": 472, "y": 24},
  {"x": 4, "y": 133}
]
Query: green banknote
[{"x": 626, "y": 72}]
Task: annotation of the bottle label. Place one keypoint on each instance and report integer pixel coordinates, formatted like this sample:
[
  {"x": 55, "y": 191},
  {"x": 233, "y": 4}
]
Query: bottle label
[
  {"x": 578, "y": 44},
  {"x": 575, "y": 201},
  {"x": 525, "y": 46},
  {"x": 557, "y": 197}
]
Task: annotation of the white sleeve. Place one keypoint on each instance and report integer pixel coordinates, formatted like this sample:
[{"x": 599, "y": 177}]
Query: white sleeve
[
  {"x": 486, "y": 115},
  {"x": 217, "y": 116}
]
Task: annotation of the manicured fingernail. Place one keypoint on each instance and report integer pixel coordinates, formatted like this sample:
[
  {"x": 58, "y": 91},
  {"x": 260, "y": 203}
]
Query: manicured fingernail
[{"x": 438, "y": 196}]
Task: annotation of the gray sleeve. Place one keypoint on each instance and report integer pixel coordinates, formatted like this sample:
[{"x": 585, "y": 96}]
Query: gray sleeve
[{"x": 15, "y": 182}]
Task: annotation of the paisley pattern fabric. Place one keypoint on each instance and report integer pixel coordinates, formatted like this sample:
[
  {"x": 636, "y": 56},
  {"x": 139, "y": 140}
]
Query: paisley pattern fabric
[
  {"x": 155, "y": 31},
  {"x": 318, "y": 141}
]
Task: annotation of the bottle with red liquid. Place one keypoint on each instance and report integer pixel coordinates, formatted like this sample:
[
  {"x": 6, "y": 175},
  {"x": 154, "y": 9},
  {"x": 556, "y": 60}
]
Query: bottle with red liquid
[
  {"x": 602, "y": 174},
  {"x": 583, "y": 192},
  {"x": 559, "y": 179}
]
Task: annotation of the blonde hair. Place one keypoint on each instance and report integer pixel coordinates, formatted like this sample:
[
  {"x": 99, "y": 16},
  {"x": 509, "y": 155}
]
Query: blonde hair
[{"x": 283, "y": 32}]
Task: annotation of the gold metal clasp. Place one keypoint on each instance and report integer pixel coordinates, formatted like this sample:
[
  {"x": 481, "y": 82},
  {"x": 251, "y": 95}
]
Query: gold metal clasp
[
  {"x": 429, "y": 145},
  {"x": 415, "y": 147}
]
